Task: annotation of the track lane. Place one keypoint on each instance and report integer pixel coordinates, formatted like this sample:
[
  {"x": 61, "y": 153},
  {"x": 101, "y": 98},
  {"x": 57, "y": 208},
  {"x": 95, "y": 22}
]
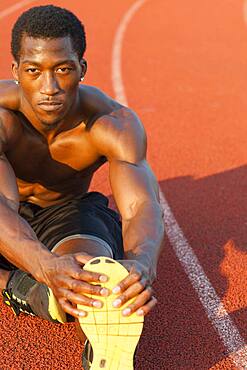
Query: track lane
[{"x": 183, "y": 83}]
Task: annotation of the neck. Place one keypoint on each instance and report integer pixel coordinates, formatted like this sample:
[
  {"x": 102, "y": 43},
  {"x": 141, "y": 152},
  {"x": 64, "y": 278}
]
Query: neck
[{"x": 50, "y": 131}]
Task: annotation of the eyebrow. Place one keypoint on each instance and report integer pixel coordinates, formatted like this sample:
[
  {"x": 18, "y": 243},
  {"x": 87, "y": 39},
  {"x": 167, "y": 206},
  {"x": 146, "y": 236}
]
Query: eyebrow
[{"x": 39, "y": 64}]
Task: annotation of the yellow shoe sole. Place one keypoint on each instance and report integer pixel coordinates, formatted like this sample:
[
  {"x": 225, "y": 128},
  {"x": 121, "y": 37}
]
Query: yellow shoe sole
[
  {"x": 55, "y": 310},
  {"x": 113, "y": 337}
]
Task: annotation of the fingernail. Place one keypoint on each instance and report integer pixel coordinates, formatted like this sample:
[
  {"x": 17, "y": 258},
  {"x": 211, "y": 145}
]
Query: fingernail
[
  {"x": 103, "y": 278},
  {"x": 140, "y": 312},
  {"x": 126, "y": 311},
  {"x": 97, "y": 304},
  {"x": 82, "y": 314},
  {"x": 116, "y": 290},
  {"x": 117, "y": 302},
  {"x": 104, "y": 292}
]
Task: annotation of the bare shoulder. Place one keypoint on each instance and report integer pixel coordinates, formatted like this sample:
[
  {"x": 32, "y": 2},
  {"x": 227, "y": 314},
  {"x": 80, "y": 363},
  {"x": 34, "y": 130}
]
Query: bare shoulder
[
  {"x": 9, "y": 95},
  {"x": 120, "y": 135},
  {"x": 10, "y": 128},
  {"x": 95, "y": 102}
]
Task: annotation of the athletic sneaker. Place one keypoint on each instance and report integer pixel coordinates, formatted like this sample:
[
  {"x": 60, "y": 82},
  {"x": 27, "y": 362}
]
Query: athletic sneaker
[
  {"x": 112, "y": 336},
  {"x": 24, "y": 294}
]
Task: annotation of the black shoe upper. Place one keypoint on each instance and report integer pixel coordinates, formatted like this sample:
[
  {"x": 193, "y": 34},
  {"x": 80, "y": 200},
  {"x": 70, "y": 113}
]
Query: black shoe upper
[
  {"x": 25, "y": 294},
  {"x": 16, "y": 293}
]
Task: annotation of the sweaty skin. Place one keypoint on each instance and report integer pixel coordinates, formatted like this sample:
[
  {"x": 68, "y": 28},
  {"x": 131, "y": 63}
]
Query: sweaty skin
[
  {"x": 54, "y": 134},
  {"x": 51, "y": 171}
]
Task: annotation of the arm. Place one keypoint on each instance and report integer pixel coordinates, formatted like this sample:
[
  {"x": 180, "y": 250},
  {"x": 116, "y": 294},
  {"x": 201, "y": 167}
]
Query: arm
[
  {"x": 135, "y": 190},
  {"x": 121, "y": 138},
  {"x": 19, "y": 244},
  {"x": 15, "y": 234}
]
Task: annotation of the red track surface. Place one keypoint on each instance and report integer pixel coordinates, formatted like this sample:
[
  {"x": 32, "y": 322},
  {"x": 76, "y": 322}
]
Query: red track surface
[{"x": 185, "y": 74}]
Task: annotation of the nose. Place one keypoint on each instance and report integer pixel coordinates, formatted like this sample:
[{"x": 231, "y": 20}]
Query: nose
[{"x": 49, "y": 84}]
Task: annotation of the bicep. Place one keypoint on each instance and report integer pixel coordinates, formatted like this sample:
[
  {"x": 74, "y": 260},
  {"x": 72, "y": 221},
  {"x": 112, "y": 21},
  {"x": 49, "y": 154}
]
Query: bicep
[
  {"x": 132, "y": 185},
  {"x": 121, "y": 138}
]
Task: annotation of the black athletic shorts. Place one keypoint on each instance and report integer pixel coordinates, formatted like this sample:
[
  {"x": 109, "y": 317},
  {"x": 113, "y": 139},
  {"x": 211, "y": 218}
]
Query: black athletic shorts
[{"x": 87, "y": 216}]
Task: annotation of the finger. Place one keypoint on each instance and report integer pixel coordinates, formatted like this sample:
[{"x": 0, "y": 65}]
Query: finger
[
  {"x": 129, "y": 293},
  {"x": 78, "y": 286},
  {"x": 68, "y": 308},
  {"x": 88, "y": 276},
  {"x": 140, "y": 301},
  {"x": 79, "y": 298},
  {"x": 126, "y": 282},
  {"x": 144, "y": 310}
]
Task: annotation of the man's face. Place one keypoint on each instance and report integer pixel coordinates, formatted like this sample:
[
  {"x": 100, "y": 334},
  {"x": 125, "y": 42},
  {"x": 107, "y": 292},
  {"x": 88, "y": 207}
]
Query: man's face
[{"x": 49, "y": 72}]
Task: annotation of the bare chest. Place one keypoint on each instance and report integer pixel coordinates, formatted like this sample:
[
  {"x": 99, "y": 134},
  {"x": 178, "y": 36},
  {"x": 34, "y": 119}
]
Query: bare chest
[{"x": 62, "y": 166}]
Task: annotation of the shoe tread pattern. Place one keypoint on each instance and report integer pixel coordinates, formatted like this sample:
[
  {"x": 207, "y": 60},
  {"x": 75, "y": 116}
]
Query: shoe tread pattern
[{"x": 114, "y": 337}]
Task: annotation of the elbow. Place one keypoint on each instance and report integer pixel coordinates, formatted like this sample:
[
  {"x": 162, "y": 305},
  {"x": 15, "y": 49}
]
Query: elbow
[{"x": 10, "y": 203}]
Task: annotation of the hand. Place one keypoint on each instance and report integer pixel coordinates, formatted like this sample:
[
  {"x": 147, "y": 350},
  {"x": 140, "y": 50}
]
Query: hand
[
  {"x": 136, "y": 284},
  {"x": 69, "y": 282}
]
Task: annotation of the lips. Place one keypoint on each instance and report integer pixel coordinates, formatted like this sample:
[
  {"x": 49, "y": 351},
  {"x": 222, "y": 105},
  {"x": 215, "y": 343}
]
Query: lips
[{"x": 50, "y": 106}]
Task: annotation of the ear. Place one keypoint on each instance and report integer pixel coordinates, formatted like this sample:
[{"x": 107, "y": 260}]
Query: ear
[
  {"x": 83, "y": 64},
  {"x": 15, "y": 70}
]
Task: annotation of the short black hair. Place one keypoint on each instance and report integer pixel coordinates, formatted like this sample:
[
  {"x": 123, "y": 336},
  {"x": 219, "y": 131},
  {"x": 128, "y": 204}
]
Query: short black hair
[{"x": 48, "y": 21}]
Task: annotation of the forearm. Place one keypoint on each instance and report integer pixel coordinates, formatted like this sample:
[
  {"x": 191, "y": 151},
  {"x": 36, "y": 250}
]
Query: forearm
[
  {"x": 143, "y": 235},
  {"x": 18, "y": 242}
]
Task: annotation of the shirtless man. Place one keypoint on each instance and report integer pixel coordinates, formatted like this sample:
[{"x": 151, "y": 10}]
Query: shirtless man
[{"x": 54, "y": 134}]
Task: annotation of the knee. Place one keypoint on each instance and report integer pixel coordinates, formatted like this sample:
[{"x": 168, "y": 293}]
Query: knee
[{"x": 83, "y": 245}]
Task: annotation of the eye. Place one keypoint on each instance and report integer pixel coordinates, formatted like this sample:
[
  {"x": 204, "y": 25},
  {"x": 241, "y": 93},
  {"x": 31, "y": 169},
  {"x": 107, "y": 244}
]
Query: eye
[
  {"x": 64, "y": 70},
  {"x": 32, "y": 70}
]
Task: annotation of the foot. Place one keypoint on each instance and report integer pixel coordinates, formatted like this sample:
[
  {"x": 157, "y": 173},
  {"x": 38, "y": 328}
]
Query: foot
[
  {"x": 113, "y": 337},
  {"x": 24, "y": 294}
]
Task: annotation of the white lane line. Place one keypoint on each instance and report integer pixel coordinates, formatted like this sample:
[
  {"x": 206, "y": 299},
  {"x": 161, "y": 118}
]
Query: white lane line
[
  {"x": 245, "y": 11},
  {"x": 217, "y": 314},
  {"x": 14, "y": 7},
  {"x": 117, "y": 81},
  {"x": 214, "y": 308}
]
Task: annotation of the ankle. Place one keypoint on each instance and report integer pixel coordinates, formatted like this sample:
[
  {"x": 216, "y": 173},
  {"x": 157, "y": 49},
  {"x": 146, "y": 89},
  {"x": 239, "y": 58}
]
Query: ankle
[
  {"x": 82, "y": 337},
  {"x": 4, "y": 278}
]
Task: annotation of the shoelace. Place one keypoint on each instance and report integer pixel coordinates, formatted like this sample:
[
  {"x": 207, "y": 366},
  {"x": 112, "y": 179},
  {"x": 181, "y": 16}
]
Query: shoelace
[{"x": 18, "y": 305}]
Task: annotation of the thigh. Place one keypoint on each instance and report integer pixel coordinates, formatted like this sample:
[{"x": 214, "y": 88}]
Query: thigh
[{"x": 86, "y": 217}]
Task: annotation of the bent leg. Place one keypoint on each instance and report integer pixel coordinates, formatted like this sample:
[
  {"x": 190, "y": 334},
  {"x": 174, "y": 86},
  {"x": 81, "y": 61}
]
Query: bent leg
[{"x": 82, "y": 244}]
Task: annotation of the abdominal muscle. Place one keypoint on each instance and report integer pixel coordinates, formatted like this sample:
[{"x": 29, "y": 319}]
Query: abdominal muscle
[{"x": 38, "y": 194}]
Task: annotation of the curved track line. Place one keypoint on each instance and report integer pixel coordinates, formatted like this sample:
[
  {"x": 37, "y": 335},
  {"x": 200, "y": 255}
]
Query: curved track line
[
  {"x": 245, "y": 11},
  {"x": 215, "y": 310},
  {"x": 14, "y": 7},
  {"x": 117, "y": 80}
]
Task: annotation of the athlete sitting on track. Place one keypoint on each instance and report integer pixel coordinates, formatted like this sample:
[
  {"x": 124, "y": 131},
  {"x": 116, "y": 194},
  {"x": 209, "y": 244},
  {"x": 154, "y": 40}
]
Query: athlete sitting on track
[{"x": 54, "y": 134}]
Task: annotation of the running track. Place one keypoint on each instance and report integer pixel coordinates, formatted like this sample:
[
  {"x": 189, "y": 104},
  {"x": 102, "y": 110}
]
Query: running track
[{"x": 184, "y": 71}]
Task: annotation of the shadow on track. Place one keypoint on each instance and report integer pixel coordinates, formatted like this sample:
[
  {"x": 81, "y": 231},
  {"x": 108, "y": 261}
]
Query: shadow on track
[{"x": 212, "y": 213}]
